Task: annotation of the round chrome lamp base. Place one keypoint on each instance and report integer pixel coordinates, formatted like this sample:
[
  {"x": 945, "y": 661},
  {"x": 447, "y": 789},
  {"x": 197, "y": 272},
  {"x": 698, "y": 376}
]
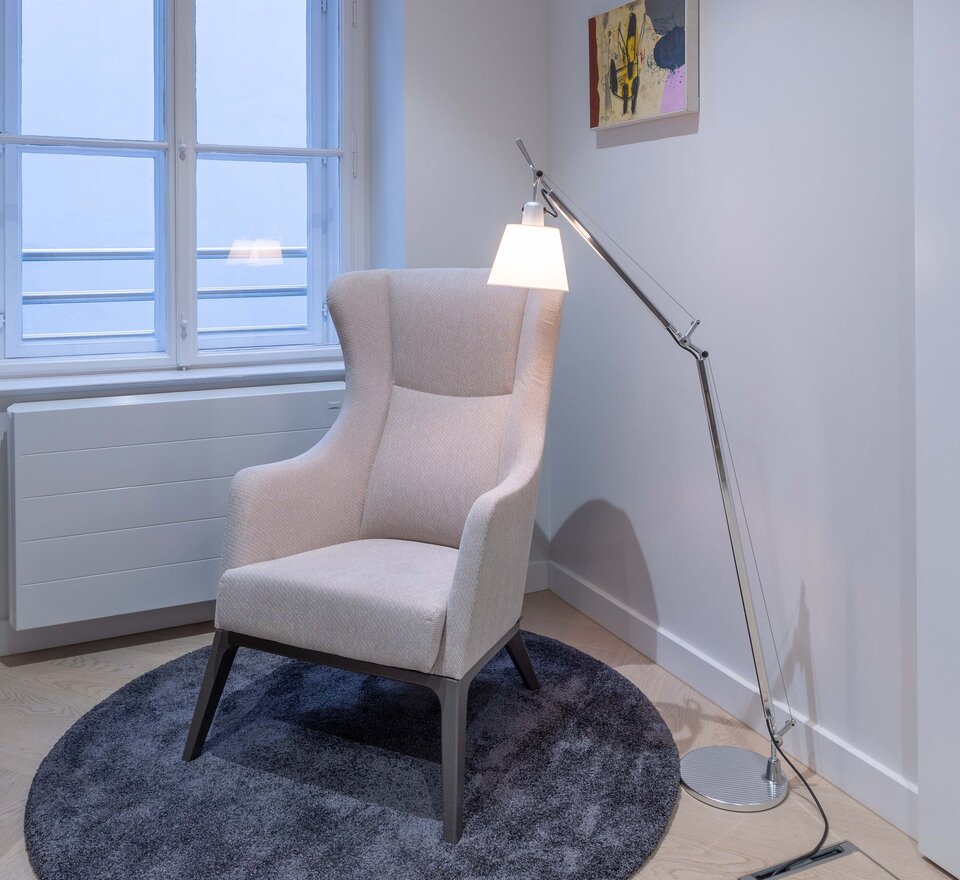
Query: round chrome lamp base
[{"x": 733, "y": 779}]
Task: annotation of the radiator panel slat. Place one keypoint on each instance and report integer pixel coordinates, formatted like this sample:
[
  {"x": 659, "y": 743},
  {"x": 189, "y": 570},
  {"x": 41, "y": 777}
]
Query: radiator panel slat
[
  {"x": 125, "y": 421},
  {"x": 58, "y": 516},
  {"x": 88, "y": 470},
  {"x": 118, "y": 504},
  {"x": 100, "y": 596},
  {"x": 105, "y": 552}
]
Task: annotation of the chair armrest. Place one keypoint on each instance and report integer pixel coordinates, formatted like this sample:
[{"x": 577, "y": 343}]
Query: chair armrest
[
  {"x": 488, "y": 585},
  {"x": 287, "y": 507}
]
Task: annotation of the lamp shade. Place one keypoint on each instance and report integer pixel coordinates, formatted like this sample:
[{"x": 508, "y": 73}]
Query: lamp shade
[{"x": 530, "y": 256}]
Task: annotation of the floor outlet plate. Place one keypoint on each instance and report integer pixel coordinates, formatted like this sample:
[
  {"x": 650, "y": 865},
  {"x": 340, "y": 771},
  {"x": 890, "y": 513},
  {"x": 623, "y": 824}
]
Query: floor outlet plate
[{"x": 824, "y": 857}]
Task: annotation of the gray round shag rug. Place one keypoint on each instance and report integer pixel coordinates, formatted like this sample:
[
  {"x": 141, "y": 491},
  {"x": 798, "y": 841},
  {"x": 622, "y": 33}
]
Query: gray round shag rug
[{"x": 311, "y": 772}]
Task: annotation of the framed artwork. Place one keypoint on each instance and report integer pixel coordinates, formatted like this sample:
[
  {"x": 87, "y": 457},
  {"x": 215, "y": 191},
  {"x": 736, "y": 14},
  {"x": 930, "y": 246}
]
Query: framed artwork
[{"x": 644, "y": 62}]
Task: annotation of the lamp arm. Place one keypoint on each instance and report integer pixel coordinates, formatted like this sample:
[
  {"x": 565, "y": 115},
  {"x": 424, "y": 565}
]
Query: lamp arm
[{"x": 557, "y": 202}]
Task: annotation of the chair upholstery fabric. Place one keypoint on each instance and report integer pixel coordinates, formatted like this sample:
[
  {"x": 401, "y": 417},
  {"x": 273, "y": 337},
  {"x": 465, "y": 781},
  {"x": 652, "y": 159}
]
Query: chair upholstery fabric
[
  {"x": 377, "y": 600},
  {"x": 438, "y": 454},
  {"x": 439, "y": 442}
]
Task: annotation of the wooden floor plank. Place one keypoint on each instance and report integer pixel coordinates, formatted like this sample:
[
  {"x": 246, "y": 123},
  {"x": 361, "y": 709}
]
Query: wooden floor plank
[
  {"x": 13, "y": 795},
  {"x": 14, "y": 863}
]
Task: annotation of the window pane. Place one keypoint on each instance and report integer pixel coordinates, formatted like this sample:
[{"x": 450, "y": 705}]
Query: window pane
[
  {"x": 252, "y": 235},
  {"x": 88, "y": 233},
  {"x": 252, "y": 72},
  {"x": 87, "y": 68}
]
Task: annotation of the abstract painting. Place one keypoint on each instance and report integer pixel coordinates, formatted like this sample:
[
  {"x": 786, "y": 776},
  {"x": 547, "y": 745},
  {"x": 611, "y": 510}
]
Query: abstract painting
[{"x": 643, "y": 62}]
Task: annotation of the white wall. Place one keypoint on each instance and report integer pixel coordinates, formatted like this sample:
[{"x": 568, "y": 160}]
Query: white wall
[
  {"x": 782, "y": 217},
  {"x": 937, "y": 122},
  {"x": 471, "y": 78},
  {"x": 475, "y": 80},
  {"x": 387, "y": 154}
]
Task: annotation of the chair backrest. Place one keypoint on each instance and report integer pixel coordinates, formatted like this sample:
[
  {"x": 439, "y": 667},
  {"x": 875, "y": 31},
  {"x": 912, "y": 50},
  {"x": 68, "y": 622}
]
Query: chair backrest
[{"x": 436, "y": 365}]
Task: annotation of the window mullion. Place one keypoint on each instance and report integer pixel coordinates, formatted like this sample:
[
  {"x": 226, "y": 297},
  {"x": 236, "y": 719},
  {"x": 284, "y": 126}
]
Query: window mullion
[
  {"x": 164, "y": 183},
  {"x": 9, "y": 171},
  {"x": 183, "y": 157},
  {"x": 10, "y": 238}
]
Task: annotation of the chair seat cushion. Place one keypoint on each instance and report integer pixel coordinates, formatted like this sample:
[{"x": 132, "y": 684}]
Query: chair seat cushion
[{"x": 378, "y": 600}]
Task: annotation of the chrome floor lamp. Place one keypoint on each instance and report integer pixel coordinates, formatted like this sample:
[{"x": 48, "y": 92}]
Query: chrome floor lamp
[{"x": 530, "y": 255}]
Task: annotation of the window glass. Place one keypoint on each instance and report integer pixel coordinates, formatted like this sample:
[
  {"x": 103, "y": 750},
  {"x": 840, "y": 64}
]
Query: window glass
[
  {"x": 97, "y": 257},
  {"x": 252, "y": 237},
  {"x": 87, "y": 68},
  {"x": 252, "y": 64},
  {"x": 88, "y": 240}
]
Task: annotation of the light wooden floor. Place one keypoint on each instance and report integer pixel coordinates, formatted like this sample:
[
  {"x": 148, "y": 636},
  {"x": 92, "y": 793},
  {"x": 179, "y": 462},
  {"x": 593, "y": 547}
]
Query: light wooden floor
[{"x": 42, "y": 694}]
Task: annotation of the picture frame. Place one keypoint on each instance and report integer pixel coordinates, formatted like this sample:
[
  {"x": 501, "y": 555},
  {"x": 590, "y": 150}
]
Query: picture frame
[{"x": 644, "y": 62}]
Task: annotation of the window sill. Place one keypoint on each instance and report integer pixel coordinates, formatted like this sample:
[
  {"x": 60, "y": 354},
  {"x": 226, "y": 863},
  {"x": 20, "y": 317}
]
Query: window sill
[{"x": 171, "y": 380}]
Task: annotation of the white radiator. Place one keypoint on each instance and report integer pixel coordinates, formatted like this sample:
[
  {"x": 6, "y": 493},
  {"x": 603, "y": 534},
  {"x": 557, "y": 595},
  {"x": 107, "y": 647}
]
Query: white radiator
[{"x": 117, "y": 503}]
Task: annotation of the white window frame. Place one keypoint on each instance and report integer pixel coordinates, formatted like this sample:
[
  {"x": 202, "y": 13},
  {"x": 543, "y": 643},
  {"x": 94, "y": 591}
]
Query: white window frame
[{"x": 176, "y": 198}]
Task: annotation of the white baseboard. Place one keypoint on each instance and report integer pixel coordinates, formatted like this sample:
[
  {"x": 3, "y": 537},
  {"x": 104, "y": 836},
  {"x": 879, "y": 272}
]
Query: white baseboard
[{"x": 872, "y": 783}]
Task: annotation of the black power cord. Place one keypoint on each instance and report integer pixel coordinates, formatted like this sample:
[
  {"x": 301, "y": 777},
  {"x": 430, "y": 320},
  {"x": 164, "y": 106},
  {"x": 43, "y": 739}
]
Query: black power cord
[{"x": 826, "y": 822}]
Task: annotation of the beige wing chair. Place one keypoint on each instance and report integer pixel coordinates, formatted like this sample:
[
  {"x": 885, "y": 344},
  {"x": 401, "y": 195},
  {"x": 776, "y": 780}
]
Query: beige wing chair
[{"x": 398, "y": 545}]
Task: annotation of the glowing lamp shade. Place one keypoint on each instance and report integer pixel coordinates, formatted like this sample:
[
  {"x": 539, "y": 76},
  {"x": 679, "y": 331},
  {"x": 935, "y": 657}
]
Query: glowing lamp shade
[{"x": 530, "y": 256}]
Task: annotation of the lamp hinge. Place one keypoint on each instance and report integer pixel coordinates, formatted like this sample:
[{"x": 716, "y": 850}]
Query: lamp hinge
[
  {"x": 693, "y": 326},
  {"x": 778, "y": 735}
]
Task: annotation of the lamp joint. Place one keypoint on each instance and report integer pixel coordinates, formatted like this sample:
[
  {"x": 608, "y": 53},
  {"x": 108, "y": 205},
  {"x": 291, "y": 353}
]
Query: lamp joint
[
  {"x": 690, "y": 330},
  {"x": 786, "y": 727}
]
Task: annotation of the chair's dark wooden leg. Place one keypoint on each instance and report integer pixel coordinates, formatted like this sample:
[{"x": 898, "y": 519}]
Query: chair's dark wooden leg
[
  {"x": 453, "y": 736},
  {"x": 218, "y": 668},
  {"x": 521, "y": 659}
]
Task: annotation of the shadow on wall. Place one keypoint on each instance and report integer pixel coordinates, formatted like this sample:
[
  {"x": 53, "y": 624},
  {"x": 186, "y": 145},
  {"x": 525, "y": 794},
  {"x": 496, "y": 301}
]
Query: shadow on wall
[
  {"x": 797, "y": 663},
  {"x": 651, "y": 130},
  {"x": 598, "y": 543},
  {"x": 539, "y": 545}
]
